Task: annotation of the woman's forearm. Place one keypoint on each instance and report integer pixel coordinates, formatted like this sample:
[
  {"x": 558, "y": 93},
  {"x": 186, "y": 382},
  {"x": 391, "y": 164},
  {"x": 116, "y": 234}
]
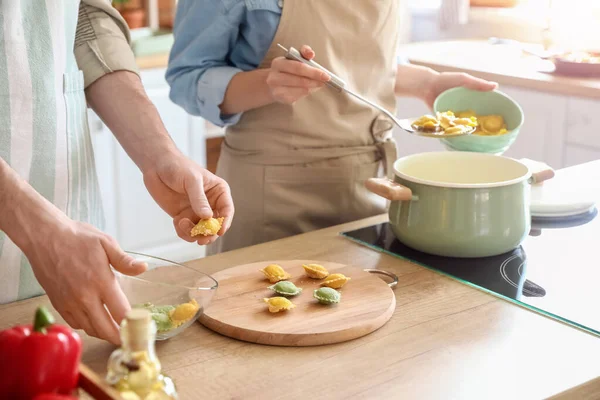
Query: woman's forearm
[
  {"x": 413, "y": 80},
  {"x": 246, "y": 91}
]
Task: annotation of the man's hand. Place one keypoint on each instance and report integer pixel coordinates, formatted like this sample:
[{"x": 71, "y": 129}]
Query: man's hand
[
  {"x": 189, "y": 193},
  {"x": 71, "y": 261},
  {"x": 186, "y": 191}
]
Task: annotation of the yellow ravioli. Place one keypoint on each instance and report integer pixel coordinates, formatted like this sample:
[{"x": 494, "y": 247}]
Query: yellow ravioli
[
  {"x": 277, "y": 304},
  {"x": 315, "y": 271},
  {"x": 207, "y": 227},
  {"x": 184, "y": 312},
  {"x": 335, "y": 281},
  {"x": 275, "y": 273}
]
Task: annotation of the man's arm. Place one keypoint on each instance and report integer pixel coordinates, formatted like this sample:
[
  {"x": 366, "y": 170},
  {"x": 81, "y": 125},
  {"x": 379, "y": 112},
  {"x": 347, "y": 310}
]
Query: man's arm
[
  {"x": 102, "y": 41},
  {"x": 113, "y": 88},
  {"x": 24, "y": 211},
  {"x": 120, "y": 100},
  {"x": 65, "y": 255},
  {"x": 182, "y": 188}
]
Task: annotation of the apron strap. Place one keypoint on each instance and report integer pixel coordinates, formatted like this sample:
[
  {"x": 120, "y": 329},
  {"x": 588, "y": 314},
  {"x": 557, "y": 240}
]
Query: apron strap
[
  {"x": 381, "y": 130},
  {"x": 390, "y": 154}
]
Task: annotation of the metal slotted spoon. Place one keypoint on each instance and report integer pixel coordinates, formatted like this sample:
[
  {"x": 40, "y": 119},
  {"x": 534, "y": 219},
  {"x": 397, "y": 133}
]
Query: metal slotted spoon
[{"x": 340, "y": 86}]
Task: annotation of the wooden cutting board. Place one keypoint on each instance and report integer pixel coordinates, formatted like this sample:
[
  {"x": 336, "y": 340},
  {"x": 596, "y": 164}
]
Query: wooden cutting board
[{"x": 238, "y": 310}]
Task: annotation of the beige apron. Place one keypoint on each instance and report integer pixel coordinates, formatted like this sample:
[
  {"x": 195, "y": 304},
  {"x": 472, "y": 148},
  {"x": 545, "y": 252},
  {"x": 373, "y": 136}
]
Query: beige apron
[{"x": 294, "y": 169}]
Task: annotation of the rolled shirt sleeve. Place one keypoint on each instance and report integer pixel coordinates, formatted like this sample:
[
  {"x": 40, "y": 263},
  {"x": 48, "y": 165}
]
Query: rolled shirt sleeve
[
  {"x": 211, "y": 92},
  {"x": 215, "y": 40},
  {"x": 102, "y": 41},
  {"x": 200, "y": 63}
]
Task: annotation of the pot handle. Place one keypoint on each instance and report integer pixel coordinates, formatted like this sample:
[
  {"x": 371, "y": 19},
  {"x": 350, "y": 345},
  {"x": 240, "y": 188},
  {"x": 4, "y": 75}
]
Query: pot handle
[
  {"x": 540, "y": 171},
  {"x": 394, "y": 277},
  {"x": 389, "y": 189}
]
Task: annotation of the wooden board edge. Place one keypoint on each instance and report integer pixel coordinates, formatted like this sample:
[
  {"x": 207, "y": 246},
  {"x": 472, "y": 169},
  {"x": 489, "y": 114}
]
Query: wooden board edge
[{"x": 302, "y": 340}]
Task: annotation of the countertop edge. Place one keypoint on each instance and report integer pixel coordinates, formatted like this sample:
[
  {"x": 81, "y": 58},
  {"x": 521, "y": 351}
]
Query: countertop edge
[{"x": 554, "y": 87}]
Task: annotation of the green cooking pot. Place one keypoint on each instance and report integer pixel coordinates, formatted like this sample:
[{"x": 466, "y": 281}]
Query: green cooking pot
[{"x": 460, "y": 204}]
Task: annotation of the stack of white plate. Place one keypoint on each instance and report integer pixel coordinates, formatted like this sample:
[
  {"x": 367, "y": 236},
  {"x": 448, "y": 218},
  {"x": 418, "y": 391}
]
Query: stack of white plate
[{"x": 564, "y": 196}]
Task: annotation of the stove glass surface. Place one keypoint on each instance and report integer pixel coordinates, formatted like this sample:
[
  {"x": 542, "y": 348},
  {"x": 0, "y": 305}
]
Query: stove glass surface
[{"x": 555, "y": 272}]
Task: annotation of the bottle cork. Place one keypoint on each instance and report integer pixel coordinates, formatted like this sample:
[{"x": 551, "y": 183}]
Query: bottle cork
[{"x": 138, "y": 328}]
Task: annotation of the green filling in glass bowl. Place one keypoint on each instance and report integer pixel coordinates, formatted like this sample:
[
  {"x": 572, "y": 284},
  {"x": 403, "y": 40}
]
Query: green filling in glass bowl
[{"x": 169, "y": 317}]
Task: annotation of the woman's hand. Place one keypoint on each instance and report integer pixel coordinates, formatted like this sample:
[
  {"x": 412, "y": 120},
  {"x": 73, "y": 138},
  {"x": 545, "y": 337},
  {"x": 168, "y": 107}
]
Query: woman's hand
[
  {"x": 427, "y": 84},
  {"x": 290, "y": 80},
  {"x": 447, "y": 80}
]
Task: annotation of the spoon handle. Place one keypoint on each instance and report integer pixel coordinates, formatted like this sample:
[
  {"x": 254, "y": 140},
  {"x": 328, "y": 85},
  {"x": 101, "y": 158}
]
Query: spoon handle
[
  {"x": 292, "y": 54},
  {"x": 335, "y": 82},
  {"x": 375, "y": 105}
]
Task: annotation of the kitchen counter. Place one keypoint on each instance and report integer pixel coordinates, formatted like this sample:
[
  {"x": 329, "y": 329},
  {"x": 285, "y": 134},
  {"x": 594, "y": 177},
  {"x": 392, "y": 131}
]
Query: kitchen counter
[
  {"x": 501, "y": 63},
  {"x": 445, "y": 340}
]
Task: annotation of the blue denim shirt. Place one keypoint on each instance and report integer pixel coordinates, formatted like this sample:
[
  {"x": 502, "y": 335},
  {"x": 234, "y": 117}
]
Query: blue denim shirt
[{"x": 214, "y": 40}]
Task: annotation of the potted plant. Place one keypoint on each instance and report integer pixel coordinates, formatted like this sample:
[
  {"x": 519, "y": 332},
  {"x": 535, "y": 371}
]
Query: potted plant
[{"x": 132, "y": 11}]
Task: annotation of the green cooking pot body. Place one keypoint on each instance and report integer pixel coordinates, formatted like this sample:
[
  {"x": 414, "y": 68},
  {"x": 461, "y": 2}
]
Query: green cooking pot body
[
  {"x": 462, "y": 222},
  {"x": 460, "y": 204}
]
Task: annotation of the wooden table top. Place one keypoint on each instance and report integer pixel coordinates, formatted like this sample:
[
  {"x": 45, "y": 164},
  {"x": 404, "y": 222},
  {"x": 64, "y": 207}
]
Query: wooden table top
[
  {"x": 445, "y": 340},
  {"x": 499, "y": 63}
]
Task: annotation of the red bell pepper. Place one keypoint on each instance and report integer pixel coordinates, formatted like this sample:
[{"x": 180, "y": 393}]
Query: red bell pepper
[
  {"x": 54, "y": 396},
  {"x": 39, "y": 358}
]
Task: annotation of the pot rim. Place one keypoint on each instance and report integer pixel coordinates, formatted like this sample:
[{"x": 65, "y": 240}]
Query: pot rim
[{"x": 510, "y": 182}]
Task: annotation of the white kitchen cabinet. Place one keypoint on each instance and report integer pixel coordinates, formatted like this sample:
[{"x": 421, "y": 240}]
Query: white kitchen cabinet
[
  {"x": 582, "y": 119},
  {"x": 542, "y": 134},
  {"x": 132, "y": 216},
  {"x": 576, "y": 154}
]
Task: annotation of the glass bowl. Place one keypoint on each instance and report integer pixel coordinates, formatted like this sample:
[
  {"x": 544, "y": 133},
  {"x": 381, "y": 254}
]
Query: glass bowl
[
  {"x": 163, "y": 287},
  {"x": 483, "y": 103}
]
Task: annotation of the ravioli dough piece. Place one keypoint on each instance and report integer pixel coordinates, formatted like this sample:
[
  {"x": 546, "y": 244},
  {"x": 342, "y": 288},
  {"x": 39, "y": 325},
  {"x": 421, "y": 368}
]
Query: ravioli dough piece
[
  {"x": 184, "y": 312},
  {"x": 446, "y": 119},
  {"x": 335, "y": 281},
  {"x": 277, "y": 304},
  {"x": 326, "y": 295},
  {"x": 315, "y": 271},
  {"x": 466, "y": 114},
  {"x": 426, "y": 122},
  {"x": 286, "y": 288},
  {"x": 207, "y": 227},
  {"x": 492, "y": 124},
  {"x": 275, "y": 273}
]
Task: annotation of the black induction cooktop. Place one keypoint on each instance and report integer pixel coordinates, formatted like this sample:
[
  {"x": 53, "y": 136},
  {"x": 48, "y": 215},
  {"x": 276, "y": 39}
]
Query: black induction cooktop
[{"x": 555, "y": 271}]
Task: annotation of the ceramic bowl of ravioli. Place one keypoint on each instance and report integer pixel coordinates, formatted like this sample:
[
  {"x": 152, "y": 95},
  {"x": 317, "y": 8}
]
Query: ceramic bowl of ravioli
[
  {"x": 461, "y": 99},
  {"x": 175, "y": 294}
]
